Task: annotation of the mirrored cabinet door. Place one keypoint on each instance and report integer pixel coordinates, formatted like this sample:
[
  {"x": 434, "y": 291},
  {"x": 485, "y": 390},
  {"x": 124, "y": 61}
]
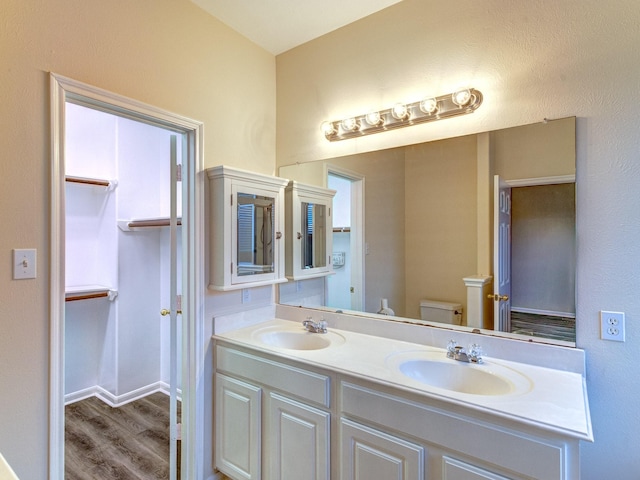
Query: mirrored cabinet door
[
  {"x": 247, "y": 244},
  {"x": 255, "y": 234},
  {"x": 309, "y": 231},
  {"x": 313, "y": 236}
]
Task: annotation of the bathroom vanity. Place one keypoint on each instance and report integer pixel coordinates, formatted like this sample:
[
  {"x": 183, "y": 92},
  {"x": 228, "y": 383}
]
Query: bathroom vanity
[{"x": 349, "y": 404}]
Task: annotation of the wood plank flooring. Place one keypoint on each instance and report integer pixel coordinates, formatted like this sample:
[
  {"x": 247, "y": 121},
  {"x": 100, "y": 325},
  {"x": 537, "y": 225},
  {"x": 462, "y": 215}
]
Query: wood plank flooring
[
  {"x": 545, "y": 326},
  {"x": 128, "y": 442}
]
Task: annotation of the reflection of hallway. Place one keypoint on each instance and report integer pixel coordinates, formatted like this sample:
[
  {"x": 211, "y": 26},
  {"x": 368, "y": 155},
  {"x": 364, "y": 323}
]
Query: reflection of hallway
[
  {"x": 127, "y": 442},
  {"x": 545, "y": 326}
]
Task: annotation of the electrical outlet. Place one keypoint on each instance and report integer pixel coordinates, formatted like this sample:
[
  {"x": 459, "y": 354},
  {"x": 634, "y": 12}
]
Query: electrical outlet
[
  {"x": 612, "y": 326},
  {"x": 246, "y": 295}
]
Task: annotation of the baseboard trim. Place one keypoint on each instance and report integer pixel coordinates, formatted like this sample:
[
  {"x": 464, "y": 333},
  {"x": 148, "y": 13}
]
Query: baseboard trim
[{"x": 118, "y": 400}]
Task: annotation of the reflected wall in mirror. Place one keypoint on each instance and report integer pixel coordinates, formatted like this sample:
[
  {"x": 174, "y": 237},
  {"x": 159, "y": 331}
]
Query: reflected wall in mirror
[{"x": 428, "y": 224}]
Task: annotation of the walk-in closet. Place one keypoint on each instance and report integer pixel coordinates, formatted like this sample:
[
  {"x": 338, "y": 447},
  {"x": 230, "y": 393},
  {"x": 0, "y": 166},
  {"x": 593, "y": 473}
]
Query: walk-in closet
[{"x": 118, "y": 336}]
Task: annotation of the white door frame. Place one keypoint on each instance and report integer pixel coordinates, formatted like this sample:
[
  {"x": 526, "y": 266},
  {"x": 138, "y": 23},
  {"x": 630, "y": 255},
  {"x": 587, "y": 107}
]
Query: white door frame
[
  {"x": 358, "y": 248},
  {"x": 63, "y": 89}
]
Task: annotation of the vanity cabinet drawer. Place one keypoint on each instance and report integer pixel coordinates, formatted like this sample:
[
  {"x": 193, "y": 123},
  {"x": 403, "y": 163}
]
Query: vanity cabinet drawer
[
  {"x": 303, "y": 384},
  {"x": 508, "y": 449}
]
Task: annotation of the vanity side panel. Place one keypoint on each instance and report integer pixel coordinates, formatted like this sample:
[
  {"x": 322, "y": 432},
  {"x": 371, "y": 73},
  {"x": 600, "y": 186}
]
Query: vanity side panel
[{"x": 506, "y": 449}]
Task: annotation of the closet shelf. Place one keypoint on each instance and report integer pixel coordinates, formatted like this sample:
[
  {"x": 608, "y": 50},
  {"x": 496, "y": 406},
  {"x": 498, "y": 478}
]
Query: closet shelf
[
  {"x": 130, "y": 225},
  {"x": 91, "y": 181},
  {"x": 86, "y": 292}
]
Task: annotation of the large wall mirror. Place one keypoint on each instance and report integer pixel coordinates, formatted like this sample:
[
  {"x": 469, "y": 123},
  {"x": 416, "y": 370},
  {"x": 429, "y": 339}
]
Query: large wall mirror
[{"x": 419, "y": 219}]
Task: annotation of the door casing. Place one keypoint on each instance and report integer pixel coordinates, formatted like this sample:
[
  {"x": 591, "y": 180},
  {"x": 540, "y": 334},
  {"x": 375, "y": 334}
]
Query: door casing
[{"x": 62, "y": 90}]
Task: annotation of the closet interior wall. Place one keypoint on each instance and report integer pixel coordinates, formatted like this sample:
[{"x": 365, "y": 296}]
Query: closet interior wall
[{"x": 116, "y": 347}]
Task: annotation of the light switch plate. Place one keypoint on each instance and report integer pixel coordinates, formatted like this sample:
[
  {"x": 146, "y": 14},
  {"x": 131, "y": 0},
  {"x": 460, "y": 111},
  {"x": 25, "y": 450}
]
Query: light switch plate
[{"x": 24, "y": 263}]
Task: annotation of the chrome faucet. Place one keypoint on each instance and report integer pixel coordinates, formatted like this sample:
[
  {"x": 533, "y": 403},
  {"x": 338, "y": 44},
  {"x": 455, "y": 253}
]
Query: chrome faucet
[
  {"x": 315, "y": 327},
  {"x": 457, "y": 352}
]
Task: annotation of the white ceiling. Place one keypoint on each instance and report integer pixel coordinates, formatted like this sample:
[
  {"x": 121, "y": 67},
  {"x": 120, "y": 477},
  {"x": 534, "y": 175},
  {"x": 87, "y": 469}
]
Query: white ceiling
[{"x": 279, "y": 25}]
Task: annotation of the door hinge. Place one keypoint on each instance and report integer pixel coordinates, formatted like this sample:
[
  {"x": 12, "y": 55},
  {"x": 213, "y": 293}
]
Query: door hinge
[{"x": 179, "y": 172}]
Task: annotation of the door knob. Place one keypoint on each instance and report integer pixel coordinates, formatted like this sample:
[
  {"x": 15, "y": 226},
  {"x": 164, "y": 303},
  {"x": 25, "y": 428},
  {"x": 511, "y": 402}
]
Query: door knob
[
  {"x": 164, "y": 312},
  {"x": 495, "y": 297}
]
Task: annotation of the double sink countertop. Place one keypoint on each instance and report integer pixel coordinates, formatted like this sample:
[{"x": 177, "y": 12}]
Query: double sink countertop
[{"x": 550, "y": 399}]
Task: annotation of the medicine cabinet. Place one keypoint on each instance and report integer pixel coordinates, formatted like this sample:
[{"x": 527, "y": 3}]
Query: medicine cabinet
[
  {"x": 309, "y": 231},
  {"x": 246, "y": 215}
]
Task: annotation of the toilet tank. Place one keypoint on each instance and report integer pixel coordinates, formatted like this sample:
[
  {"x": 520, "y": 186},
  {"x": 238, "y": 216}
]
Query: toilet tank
[{"x": 443, "y": 312}]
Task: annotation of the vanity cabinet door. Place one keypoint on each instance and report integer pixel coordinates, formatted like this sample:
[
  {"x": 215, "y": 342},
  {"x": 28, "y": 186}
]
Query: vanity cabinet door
[
  {"x": 453, "y": 469},
  {"x": 369, "y": 454},
  {"x": 237, "y": 428},
  {"x": 297, "y": 441}
]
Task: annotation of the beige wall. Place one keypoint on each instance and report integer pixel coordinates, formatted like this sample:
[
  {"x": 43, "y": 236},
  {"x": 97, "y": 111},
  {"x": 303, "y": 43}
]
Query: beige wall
[
  {"x": 167, "y": 53},
  {"x": 441, "y": 248},
  {"x": 531, "y": 60},
  {"x": 537, "y": 150}
]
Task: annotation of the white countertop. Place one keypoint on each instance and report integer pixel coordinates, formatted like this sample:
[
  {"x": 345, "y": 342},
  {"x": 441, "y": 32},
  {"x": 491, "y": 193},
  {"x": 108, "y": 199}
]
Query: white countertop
[
  {"x": 553, "y": 400},
  {"x": 6, "y": 473}
]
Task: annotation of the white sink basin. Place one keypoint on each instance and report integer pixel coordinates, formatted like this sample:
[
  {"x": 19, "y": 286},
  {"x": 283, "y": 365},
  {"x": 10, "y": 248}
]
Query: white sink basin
[
  {"x": 436, "y": 370},
  {"x": 297, "y": 339}
]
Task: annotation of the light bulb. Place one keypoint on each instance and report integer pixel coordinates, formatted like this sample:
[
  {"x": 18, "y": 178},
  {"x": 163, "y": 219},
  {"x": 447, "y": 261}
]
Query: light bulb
[
  {"x": 429, "y": 106},
  {"x": 400, "y": 111},
  {"x": 350, "y": 124},
  {"x": 461, "y": 97},
  {"x": 374, "y": 119},
  {"x": 328, "y": 128}
]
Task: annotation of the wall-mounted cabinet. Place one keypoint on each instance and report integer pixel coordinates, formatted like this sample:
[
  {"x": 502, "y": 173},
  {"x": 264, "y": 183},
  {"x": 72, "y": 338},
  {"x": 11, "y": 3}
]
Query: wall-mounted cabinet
[
  {"x": 246, "y": 232},
  {"x": 309, "y": 231}
]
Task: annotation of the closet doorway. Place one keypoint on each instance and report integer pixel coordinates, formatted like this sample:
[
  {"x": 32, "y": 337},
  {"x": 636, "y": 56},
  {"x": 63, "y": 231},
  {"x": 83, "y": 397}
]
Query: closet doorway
[
  {"x": 346, "y": 289},
  {"x": 126, "y": 219}
]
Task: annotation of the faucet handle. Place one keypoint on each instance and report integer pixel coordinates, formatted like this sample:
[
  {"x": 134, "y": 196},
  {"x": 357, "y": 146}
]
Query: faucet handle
[
  {"x": 451, "y": 348},
  {"x": 475, "y": 353}
]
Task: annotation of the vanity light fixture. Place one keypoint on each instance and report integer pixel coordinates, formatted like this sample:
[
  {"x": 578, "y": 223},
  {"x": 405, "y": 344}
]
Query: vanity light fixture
[
  {"x": 401, "y": 115},
  {"x": 374, "y": 119}
]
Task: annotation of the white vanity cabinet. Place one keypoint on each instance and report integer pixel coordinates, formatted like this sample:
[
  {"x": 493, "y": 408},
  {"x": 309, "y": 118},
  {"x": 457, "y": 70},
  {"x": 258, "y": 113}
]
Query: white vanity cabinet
[
  {"x": 246, "y": 228},
  {"x": 309, "y": 231},
  {"x": 374, "y": 430},
  {"x": 436, "y": 441},
  {"x": 272, "y": 419}
]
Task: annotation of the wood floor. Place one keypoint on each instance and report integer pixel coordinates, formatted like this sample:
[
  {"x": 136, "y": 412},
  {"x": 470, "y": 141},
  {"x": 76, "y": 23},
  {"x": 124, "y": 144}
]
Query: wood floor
[
  {"x": 128, "y": 442},
  {"x": 545, "y": 326}
]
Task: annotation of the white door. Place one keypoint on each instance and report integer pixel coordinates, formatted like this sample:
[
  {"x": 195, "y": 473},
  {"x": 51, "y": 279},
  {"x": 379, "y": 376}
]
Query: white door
[
  {"x": 174, "y": 309},
  {"x": 502, "y": 255}
]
